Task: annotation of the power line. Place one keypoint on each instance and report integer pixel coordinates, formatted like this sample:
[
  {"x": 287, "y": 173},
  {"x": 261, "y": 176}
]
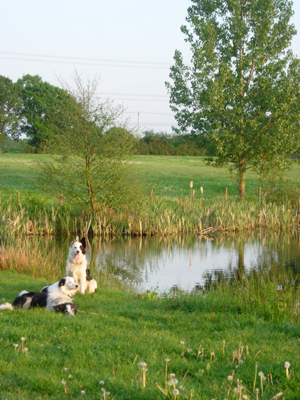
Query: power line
[
  {"x": 160, "y": 100},
  {"x": 145, "y": 112},
  {"x": 82, "y": 58},
  {"x": 84, "y": 61},
  {"x": 137, "y": 95}
]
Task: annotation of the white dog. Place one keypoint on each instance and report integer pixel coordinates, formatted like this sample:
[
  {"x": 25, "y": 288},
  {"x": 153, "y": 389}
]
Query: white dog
[
  {"x": 77, "y": 266},
  {"x": 59, "y": 298}
]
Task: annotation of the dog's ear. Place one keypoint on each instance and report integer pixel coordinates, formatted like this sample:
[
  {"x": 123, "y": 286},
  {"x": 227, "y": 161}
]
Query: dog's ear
[
  {"x": 62, "y": 282},
  {"x": 75, "y": 240},
  {"x": 83, "y": 242}
]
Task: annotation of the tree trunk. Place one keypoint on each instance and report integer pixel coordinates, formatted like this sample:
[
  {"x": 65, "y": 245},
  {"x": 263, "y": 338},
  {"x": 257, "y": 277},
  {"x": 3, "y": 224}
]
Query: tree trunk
[
  {"x": 241, "y": 261},
  {"x": 1, "y": 140},
  {"x": 90, "y": 185},
  {"x": 242, "y": 176}
]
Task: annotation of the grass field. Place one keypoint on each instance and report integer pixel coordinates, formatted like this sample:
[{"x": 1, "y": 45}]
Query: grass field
[
  {"x": 170, "y": 210},
  {"x": 167, "y": 175},
  {"x": 207, "y": 338},
  {"x": 216, "y": 343}
]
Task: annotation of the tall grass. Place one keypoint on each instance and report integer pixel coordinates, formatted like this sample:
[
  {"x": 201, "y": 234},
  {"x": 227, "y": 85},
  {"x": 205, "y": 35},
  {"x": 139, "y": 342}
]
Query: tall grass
[{"x": 157, "y": 216}]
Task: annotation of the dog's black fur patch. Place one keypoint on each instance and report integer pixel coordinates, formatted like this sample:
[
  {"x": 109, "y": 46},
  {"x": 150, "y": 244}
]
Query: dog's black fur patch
[
  {"x": 63, "y": 307},
  {"x": 88, "y": 275},
  {"x": 83, "y": 245},
  {"x": 62, "y": 282},
  {"x": 38, "y": 299}
]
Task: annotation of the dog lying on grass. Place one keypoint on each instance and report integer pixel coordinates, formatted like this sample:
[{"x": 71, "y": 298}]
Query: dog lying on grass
[
  {"x": 65, "y": 287},
  {"x": 59, "y": 299},
  {"x": 77, "y": 266}
]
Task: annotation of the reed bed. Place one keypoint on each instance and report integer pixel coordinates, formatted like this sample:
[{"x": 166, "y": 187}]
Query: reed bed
[
  {"x": 157, "y": 216},
  {"x": 32, "y": 259}
]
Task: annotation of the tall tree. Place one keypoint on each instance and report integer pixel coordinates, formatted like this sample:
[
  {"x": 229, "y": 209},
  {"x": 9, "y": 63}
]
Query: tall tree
[
  {"x": 92, "y": 149},
  {"x": 10, "y": 105},
  {"x": 41, "y": 110},
  {"x": 241, "y": 90}
]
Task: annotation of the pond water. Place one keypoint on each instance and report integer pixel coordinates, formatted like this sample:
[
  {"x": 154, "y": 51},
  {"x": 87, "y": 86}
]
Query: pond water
[{"x": 161, "y": 263}]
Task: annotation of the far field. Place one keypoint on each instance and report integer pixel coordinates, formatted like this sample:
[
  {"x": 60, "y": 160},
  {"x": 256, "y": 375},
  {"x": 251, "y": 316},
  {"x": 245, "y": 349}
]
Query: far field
[{"x": 167, "y": 175}]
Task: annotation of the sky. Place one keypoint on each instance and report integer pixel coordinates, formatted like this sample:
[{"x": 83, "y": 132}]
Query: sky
[{"x": 129, "y": 43}]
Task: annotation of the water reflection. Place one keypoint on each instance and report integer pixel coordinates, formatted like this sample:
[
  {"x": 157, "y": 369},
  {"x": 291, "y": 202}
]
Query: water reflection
[{"x": 187, "y": 262}]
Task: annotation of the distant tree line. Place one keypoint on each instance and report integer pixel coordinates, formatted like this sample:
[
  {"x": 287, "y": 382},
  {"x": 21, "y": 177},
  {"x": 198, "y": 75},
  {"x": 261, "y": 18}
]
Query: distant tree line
[
  {"x": 161, "y": 143},
  {"x": 32, "y": 112}
]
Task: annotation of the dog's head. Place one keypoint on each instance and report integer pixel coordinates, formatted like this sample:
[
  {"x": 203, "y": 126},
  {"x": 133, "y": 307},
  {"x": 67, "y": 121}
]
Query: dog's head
[
  {"x": 68, "y": 286},
  {"x": 77, "y": 248}
]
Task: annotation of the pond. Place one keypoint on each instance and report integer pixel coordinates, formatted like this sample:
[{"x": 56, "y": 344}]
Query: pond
[{"x": 162, "y": 263}]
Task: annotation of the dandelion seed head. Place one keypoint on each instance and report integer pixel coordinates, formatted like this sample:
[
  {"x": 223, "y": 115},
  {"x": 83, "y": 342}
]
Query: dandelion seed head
[
  {"x": 167, "y": 360},
  {"x": 66, "y": 369},
  {"x": 82, "y": 393},
  {"x": 16, "y": 345},
  {"x": 176, "y": 392},
  {"x": 101, "y": 383},
  {"x": 142, "y": 364},
  {"x": 23, "y": 338},
  {"x": 287, "y": 364},
  {"x": 70, "y": 377},
  {"x": 171, "y": 376},
  {"x": 25, "y": 349},
  {"x": 182, "y": 342},
  {"x": 261, "y": 374},
  {"x": 63, "y": 382},
  {"x": 229, "y": 378},
  {"x": 172, "y": 382},
  {"x": 245, "y": 397}
]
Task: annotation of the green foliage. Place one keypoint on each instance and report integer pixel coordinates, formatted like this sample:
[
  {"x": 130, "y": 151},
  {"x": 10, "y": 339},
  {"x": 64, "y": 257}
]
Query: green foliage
[
  {"x": 280, "y": 190},
  {"x": 160, "y": 143},
  {"x": 41, "y": 110},
  {"x": 91, "y": 168},
  {"x": 10, "y": 145},
  {"x": 10, "y": 105},
  {"x": 241, "y": 92}
]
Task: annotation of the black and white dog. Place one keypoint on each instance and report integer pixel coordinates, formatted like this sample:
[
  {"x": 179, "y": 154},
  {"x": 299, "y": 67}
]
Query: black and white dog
[
  {"x": 66, "y": 287},
  {"x": 60, "y": 299},
  {"x": 77, "y": 266}
]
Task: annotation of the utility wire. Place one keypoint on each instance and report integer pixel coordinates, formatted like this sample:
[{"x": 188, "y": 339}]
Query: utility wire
[
  {"x": 137, "y": 95},
  {"x": 82, "y": 58},
  {"x": 84, "y": 61}
]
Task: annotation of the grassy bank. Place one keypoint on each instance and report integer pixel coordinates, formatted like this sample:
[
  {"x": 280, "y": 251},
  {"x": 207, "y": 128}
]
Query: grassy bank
[
  {"x": 169, "y": 208},
  {"x": 207, "y": 338}
]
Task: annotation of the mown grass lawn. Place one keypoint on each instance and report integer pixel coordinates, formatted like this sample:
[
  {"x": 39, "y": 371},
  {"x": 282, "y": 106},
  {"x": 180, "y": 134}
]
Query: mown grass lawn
[
  {"x": 115, "y": 330},
  {"x": 167, "y": 175}
]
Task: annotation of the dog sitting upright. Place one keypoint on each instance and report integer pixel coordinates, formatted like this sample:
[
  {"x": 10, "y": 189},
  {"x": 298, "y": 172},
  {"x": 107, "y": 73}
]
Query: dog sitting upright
[{"x": 77, "y": 266}]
